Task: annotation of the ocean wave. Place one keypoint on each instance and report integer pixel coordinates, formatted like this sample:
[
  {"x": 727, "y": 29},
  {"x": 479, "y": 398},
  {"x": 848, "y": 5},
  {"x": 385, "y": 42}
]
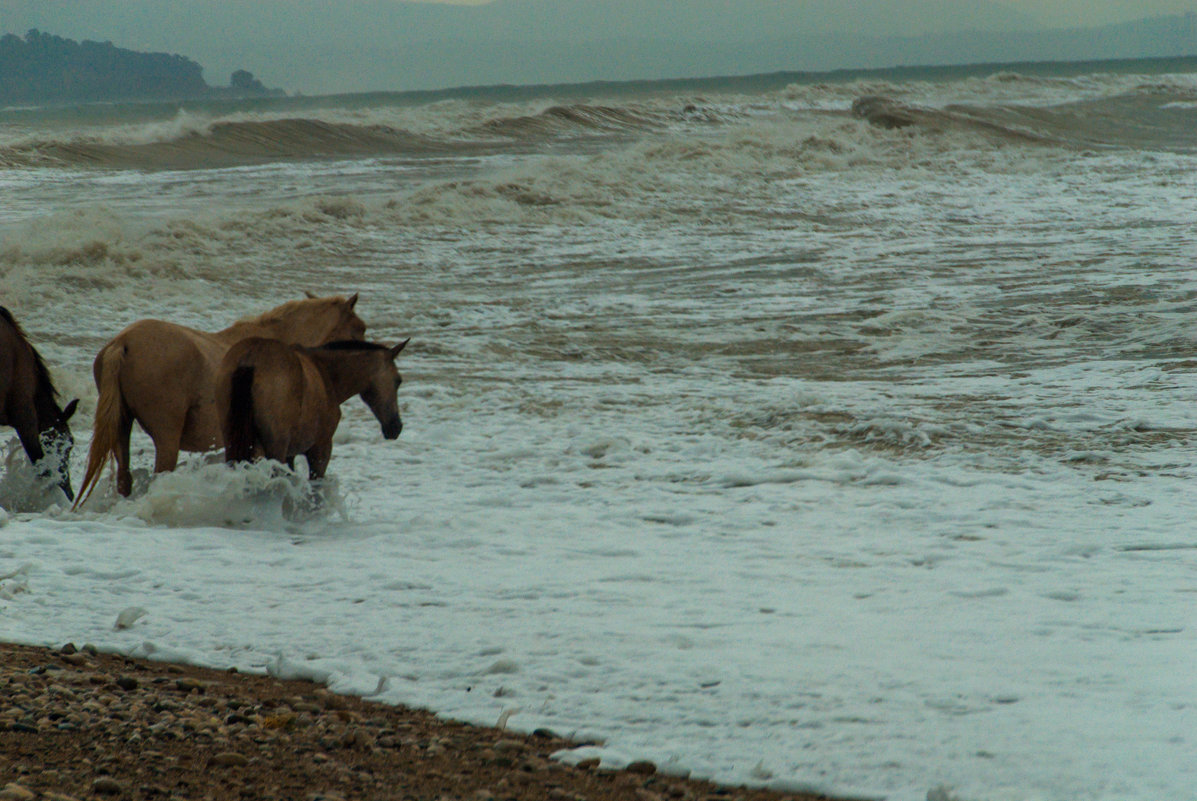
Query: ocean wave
[
  {"x": 714, "y": 175},
  {"x": 188, "y": 141},
  {"x": 221, "y": 144},
  {"x": 560, "y": 120},
  {"x": 999, "y": 88},
  {"x": 1159, "y": 119},
  {"x": 340, "y": 129},
  {"x": 888, "y": 113}
]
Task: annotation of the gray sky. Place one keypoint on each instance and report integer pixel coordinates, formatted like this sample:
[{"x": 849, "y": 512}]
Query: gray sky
[
  {"x": 1098, "y": 12},
  {"x": 316, "y": 46}
]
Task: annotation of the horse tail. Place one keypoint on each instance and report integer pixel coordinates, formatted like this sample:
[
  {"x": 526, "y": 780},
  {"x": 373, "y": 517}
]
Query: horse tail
[
  {"x": 110, "y": 415},
  {"x": 239, "y": 427}
]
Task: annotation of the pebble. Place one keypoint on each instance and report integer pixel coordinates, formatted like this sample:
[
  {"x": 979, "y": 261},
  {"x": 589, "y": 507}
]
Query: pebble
[
  {"x": 508, "y": 747},
  {"x": 229, "y": 759},
  {"x": 357, "y": 738},
  {"x": 106, "y": 785},
  {"x": 230, "y": 741},
  {"x": 15, "y": 792}
]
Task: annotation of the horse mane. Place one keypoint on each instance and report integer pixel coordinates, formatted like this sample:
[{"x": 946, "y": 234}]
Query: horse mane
[
  {"x": 40, "y": 370},
  {"x": 352, "y": 344},
  {"x": 271, "y": 315}
]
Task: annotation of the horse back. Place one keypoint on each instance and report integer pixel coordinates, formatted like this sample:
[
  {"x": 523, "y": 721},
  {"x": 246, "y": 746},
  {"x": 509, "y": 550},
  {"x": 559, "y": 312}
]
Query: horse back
[
  {"x": 159, "y": 340},
  {"x": 161, "y": 360}
]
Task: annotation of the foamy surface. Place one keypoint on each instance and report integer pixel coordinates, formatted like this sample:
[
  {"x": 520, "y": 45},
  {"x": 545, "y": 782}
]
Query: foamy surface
[{"x": 740, "y": 434}]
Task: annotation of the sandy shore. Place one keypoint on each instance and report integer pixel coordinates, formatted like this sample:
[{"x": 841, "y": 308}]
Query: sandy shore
[{"x": 75, "y": 724}]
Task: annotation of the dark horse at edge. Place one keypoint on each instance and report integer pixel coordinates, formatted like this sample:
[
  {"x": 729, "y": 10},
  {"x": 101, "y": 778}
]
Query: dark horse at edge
[{"x": 29, "y": 403}]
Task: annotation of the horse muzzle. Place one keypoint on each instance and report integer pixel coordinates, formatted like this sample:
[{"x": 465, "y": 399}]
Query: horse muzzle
[
  {"x": 61, "y": 479},
  {"x": 392, "y": 428}
]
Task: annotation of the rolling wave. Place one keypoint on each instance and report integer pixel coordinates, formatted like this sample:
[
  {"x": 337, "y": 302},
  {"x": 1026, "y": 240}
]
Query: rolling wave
[
  {"x": 572, "y": 120},
  {"x": 1156, "y": 117},
  {"x": 1142, "y": 111},
  {"x": 225, "y": 144},
  {"x": 190, "y": 143}
]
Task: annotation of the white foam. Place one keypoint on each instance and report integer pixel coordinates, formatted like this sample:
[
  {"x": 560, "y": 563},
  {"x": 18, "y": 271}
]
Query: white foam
[{"x": 207, "y": 492}]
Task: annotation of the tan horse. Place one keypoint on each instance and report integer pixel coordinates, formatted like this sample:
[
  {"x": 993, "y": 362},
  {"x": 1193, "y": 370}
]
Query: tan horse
[
  {"x": 29, "y": 403},
  {"x": 163, "y": 376},
  {"x": 279, "y": 400}
]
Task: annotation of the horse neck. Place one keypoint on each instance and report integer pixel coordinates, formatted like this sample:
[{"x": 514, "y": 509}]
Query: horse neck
[
  {"x": 45, "y": 398},
  {"x": 46, "y": 406},
  {"x": 348, "y": 372}
]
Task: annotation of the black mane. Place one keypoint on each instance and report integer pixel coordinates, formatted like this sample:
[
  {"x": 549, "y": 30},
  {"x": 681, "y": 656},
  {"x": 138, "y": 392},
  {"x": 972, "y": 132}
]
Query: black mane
[
  {"x": 352, "y": 344},
  {"x": 44, "y": 382}
]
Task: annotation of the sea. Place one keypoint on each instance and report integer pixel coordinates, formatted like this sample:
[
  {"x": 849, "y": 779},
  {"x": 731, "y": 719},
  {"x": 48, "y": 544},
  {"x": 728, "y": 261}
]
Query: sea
[{"x": 811, "y": 431}]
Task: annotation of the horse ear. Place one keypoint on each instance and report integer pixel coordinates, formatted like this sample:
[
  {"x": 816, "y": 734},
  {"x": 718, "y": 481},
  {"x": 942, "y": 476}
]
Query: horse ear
[
  {"x": 352, "y": 300},
  {"x": 309, "y": 295},
  {"x": 395, "y": 350},
  {"x": 69, "y": 410}
]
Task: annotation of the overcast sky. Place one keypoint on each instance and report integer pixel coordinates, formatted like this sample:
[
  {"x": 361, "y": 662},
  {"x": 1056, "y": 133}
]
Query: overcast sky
[
  {"x": 1098, "y": 12},
  {"x": 317, "y": 46}
]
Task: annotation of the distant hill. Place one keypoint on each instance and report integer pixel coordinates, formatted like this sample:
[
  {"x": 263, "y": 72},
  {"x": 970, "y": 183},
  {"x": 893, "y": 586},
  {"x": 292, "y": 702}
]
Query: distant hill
[{"x": 43, "y": 68}]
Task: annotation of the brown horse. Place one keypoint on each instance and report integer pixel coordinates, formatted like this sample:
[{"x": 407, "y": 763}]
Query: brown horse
[
  {"x": 164, "y": 375},
  {"x": 279, "y": 400},
  {"x": 29, "y": 403}
]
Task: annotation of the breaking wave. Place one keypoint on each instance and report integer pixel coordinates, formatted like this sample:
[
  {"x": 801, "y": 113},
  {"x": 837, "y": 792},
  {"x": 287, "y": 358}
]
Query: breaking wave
[
  {"x": 1153, "y": 116},
  {"x": 1069, "y": 110},
  {"x": 189, "y": 141}
]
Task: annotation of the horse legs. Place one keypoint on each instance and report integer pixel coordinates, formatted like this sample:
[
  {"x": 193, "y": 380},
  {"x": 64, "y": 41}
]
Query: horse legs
[
  {"x": 318, "y": 458},
  {"x": 167, "y": 442},
  {"x": 120, "y": 454},
  {"x": 166, "y": 455}
]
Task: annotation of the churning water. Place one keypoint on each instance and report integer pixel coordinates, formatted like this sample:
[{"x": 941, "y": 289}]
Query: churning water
[{"x": 827, "y": 434}]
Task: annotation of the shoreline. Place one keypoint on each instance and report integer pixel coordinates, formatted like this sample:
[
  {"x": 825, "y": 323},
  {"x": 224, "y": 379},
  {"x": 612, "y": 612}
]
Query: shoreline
[{"x": 78, "y": 724}]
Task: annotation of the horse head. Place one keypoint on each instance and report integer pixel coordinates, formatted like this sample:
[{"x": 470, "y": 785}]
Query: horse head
[
  {"x": 339, "y": 311},
  {"x": 382, "y": 395},
  {"x": 57, "y": 442}
]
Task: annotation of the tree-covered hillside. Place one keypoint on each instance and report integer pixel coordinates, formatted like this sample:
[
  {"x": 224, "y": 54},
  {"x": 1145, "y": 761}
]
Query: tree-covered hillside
[{"x": 43, "y": 68}]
